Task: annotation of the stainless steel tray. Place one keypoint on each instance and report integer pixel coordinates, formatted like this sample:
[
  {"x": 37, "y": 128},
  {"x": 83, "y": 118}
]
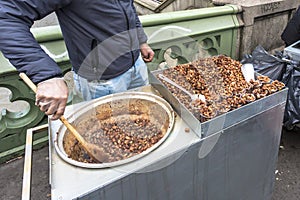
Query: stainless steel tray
[{"x": 222, "y": 121}]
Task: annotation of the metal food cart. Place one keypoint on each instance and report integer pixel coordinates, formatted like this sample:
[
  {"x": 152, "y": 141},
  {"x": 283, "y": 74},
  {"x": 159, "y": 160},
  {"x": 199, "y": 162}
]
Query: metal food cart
[{"x": 232, "y": 156}]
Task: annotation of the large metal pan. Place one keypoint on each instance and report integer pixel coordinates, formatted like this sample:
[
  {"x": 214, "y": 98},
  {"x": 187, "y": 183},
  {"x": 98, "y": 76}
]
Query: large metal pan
[{"x": 160, "y": 113}]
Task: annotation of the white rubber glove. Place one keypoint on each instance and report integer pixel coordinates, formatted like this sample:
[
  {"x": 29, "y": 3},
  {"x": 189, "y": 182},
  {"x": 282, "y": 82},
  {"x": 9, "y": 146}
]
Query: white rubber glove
[{"x": 51, "y": 97}]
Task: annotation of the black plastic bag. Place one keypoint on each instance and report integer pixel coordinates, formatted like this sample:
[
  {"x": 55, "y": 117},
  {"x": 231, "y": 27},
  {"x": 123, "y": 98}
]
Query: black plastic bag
[
  {"x": 265, "y": 63},
  {"x": 282, "y": 68},
  {"x": 291, "y": 79}
]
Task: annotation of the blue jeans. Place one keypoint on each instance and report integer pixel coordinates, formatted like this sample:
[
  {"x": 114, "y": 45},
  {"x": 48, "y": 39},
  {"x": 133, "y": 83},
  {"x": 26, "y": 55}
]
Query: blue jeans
[{"x": 136, "y": 76}]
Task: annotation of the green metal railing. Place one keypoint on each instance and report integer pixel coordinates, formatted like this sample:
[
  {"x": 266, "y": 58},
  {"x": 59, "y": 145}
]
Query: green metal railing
[
  {"x": 183, "y": 36},
  {"x": 176, "y": 37},
  {"x": 14, "y": 122}
]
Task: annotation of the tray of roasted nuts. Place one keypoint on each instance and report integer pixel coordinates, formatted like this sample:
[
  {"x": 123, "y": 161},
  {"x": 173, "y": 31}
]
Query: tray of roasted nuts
[
  {"x": 222, "y": 83},
  {"x": 126, "y": 126}
]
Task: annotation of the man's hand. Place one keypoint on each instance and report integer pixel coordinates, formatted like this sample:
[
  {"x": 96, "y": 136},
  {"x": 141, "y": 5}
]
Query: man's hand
[
  {"x": 51, "y": 97},
  {"x": 147, "y": 52}
]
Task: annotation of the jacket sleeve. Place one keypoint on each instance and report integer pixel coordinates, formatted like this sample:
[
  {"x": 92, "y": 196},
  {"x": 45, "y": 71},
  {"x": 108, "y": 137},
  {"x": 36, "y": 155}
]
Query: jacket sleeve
[
  {"x": 141, "y": 34},
  {"x": 18, "y": 44}
]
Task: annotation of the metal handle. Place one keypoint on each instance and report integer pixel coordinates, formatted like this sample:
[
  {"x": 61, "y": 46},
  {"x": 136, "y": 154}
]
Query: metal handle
[
  {"x": 175, "y": 84},
  {"x": 192, "y": 96}
]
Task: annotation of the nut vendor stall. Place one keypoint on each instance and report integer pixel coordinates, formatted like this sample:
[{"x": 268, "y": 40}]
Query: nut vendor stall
[{"x": 231, "y": 155}]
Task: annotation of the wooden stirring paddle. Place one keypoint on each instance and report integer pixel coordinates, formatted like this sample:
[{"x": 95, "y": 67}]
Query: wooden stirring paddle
[{"x": 93, "y": 150}]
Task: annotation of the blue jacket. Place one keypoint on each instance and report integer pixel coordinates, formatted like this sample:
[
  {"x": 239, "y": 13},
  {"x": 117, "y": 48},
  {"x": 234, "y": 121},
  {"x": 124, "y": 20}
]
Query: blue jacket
[{"x": 102, "y": 36}]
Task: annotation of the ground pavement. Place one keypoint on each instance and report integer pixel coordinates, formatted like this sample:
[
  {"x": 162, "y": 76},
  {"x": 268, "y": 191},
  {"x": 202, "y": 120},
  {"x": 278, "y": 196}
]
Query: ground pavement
[{"x": 287, "y": 181}]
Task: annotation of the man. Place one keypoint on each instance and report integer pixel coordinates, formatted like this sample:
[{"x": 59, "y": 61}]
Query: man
[
  {"x": 291, "y": 33},
  {"x": 105, "y": 41}
]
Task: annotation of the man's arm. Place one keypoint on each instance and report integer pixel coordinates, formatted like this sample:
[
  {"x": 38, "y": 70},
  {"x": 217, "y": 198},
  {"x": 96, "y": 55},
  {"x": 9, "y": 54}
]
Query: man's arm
[
  {"x": 146, "y": 51},
  {"x": 18, "y": 44}
]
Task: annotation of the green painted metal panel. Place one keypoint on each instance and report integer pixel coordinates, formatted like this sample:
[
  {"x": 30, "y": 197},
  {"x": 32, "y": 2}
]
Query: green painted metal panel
[
  {"x": 17, "y": 145},
  {"x": 186, "y": 35},
  {"x": 5, "y": 65},
  {"x": 51, "y": 39},
  {"x": 12, "y": 125},
  {"x": 47, "y": 33},
  {"x": 181, "y": 35},
  {"x": 187, "y": 15}
]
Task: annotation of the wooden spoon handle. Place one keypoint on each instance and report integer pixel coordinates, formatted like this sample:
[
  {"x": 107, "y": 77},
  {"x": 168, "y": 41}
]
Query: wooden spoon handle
[
  {"x": 73, "y": 130},
  {"x": 93, "y": 151},
  {"x": 28, "y": 82},
  {"x": 62, "y": 118}
]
